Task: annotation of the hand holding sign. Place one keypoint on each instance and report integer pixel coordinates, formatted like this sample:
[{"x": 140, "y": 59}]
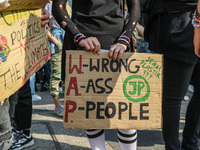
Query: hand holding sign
[
  {"x": 116, "y": 51},
  {"x": 91, "y": 44},
  {"x": 45, "y": 18}
]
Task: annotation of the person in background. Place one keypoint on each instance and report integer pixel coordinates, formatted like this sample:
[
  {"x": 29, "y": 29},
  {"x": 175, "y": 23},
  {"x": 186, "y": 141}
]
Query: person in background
[
  {"x": 192, "y": 120},
  {"x": 22, "y": 115},
  {"x": 197, "y": 39},
  {"x": 95, "y": 25},
  {"x": 56, "y": 38},
  {"x": 191, "y": 130},
  {"x": 142, "y": 45},
  {"x": 5, "y": 126},
  {"x": 23, "y": 110},
  {"x": 170, "y": 32},
  {"x": 43, "y": 77}
]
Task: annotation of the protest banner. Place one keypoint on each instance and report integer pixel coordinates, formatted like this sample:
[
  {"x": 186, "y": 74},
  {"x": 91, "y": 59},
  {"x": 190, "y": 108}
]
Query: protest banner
[
  {"x": 101, "y": 93},
  {"x": 13, "y": 5},
  {"x": 25, "y": 49}
]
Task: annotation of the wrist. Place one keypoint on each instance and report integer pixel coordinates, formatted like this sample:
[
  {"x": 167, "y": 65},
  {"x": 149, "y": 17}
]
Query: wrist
[
  {"x": 196, "y": 19},
  {"x": 78, "y": 37},
  {"x": 197, "y": 29},
  {"x": 124, "y": 40}
]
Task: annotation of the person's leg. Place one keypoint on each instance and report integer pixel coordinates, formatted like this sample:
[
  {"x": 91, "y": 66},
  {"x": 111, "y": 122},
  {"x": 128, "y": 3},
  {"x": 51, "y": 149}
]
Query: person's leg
[
  {"x": 55, "y": 80},
  {"x": 5, "y": 127},
  {"x": 41, "y": 79},
  {"x": 47, "y": 70},
  {"x": 35, "y": 97},
  {"x": 176, "y": 78},
  {"x": 192, "y": 122},
  {"x": 23, "y": 109},
  {"x": 23, "y": 116},
  {"x": 13, "y": 99},
  {"x": 96, "y": 139},
  {"x": 127, "y": 139}
]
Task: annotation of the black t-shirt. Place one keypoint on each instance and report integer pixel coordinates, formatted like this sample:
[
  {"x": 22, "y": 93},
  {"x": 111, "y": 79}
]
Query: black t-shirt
[{"x": 100, "y": 18}]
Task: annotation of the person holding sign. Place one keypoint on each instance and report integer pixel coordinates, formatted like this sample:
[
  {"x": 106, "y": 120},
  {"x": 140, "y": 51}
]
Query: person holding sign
[
  {"x": 22, "y": 111},
  {"x": 99, "y": 25},
  {"x": 56, "y": 37}
]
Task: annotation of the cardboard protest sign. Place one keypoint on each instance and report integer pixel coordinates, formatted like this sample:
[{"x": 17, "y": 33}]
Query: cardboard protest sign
[
  {"x": 14, "y": 5},
  {"x": 25, "y": 49},
  {"x": 101, "y": 93}
]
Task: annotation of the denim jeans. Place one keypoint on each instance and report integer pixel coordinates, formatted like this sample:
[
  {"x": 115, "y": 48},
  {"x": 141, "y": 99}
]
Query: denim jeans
[
  {"x": 5, "y": 127},
  {"x": 47, "y": 70},
  {"x": 32, "y": 83},
  {"x": 142, "y": 46},
  {"x": 58, "y": 34},
  {"x": 176, "y": 78}
]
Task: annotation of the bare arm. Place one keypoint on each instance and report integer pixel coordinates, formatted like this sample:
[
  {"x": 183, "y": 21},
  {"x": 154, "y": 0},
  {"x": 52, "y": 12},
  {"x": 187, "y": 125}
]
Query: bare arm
[
  {"x": 45, "y": 18},
  {"x": 140, "y": 30},
  {"x": 52, "y": 38},
  {"x": 197, "y": 36}
]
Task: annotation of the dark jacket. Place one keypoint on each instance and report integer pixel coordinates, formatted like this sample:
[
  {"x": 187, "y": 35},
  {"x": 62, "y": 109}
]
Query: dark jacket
[{"x": 169, "y": 30}]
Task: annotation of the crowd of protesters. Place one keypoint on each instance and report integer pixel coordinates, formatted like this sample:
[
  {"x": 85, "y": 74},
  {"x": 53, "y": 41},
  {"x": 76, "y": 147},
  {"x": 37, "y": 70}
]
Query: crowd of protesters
[{"x": 172, "y": 29}]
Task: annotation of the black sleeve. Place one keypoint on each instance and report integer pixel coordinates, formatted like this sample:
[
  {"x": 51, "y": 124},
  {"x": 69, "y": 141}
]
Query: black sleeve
[
  {"x": 63, "y": 19},
  {"x": 60, "y": 14},
  {"x": 131, "y": 19}
]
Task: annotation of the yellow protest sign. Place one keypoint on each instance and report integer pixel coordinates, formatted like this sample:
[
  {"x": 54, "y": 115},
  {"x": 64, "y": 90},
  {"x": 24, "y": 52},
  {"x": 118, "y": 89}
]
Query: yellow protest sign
[
  {"x": 101, "y": 93},
  {"x": 13, "y": 5},
  {"x": 25, "y": 49}
]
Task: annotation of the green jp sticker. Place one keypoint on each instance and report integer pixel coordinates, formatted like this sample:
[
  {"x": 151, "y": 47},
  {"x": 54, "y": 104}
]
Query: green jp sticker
[{"x": 138, "y": 85}]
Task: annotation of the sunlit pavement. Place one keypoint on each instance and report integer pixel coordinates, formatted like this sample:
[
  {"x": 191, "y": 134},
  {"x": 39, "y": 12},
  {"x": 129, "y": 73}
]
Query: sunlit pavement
[{"x": 49, "y": 134}]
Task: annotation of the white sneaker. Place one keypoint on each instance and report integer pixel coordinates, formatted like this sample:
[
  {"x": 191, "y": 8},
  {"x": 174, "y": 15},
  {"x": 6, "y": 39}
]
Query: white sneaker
[
  {"x": 22, "y": 142},
  {"x": 59, "y": 111},
  {"x": 36, "y": 97}
]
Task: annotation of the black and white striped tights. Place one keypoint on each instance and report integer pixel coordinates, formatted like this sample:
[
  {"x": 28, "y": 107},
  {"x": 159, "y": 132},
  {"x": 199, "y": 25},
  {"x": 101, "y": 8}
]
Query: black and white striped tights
[{"x": 127, "y": 139}]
